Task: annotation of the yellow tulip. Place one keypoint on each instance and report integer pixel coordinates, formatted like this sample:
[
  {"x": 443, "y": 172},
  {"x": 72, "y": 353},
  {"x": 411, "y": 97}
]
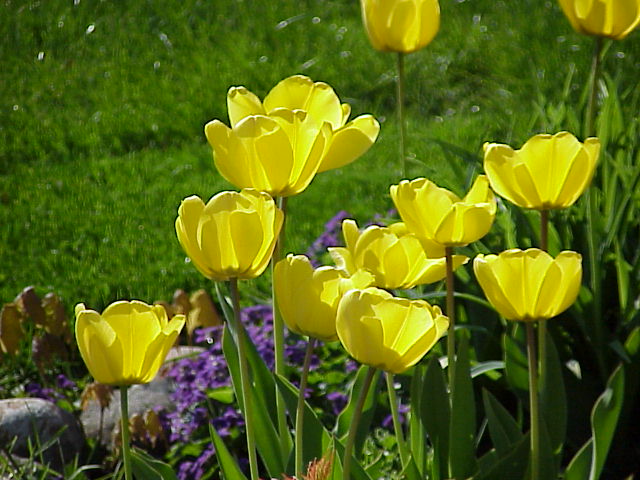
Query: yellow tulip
[
  {"x": 529, "y": 285},
  {"x": 604, "y": 18},
  {"x": 436, "y": 214},
  {"x": 308, "y": 299},
  {"x": 128, "y": 343},
  {"x": 387, "y": 332},
  {"x": 397, "y": 258},
  {"x": 548, "y": 172},
  {"x": 400, "y": 25},
  {"x": 232, "y": 236},
  {"x": 278, "y": 153},
  {"x": 348, "y": 140}
]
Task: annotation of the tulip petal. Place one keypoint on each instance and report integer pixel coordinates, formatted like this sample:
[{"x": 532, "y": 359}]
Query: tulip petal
[
  {"x": 493, "y": 280},
  {"x": 402, "y": 30},
  {"x": 241, "y": 103},
  {"x": 350, "y": 142},
  {"x": 500, "y": 162},
  {"x": 429, "y": 22},
  {"x": 187, "y": 222}
]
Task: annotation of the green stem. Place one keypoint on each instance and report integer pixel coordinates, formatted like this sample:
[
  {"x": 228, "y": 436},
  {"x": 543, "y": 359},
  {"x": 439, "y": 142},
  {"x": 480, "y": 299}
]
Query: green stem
[
  {"x": 244, "y": 378},
  {"x": 542, "y": 324},
  {"x": 533, "y": 402},
  {"x": 593, "y": 92},
  {"x": 278, "y": 338},
  {"x": 300, "y": 408},
  {"x": 353, "y": 428},
  {"x": 124, "y": 422},
  {"x": 400, "y": 107},
  {"x": 595, "y": 274},
  {"x": 451, "y": 313},
  {"x": 397, "y": 427}
]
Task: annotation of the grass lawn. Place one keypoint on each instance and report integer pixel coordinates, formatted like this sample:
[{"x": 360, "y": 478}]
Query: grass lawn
[{"x": 102, "y": 107}]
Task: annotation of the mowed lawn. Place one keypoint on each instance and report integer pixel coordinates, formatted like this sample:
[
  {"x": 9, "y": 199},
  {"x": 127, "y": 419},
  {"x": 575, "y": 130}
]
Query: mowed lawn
[{"x": 102, "y": 108}]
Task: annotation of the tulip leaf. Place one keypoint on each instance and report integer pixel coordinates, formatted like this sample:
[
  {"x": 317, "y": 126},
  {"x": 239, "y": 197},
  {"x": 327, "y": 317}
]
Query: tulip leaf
[
  {"x": 346, "y": 416},
  {"x": 222, "y": 394},
  {"x": 589, "y": 461},
  {"x": 553, "y": 401},
  {"x": 503, "y": 429},
  {"x": 228, "y": 464},
  {"x": 515, "y": 359},
  {"x": 435, "y": 414},
  {"x": 462, "y": 426},
  {"x": 417, "y": 432},
  {"x": 512, "y": 465},
  {"x": 484, "y": 367},
  {"x": 145, "y": 467},
  {"x": 317, "y": 439},
  {"x": 266, "y": 436}
]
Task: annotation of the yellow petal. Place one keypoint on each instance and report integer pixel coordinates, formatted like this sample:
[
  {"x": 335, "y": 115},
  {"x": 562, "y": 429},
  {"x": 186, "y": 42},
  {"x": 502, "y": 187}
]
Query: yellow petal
[
  {"x": 241, "y": 103},
  {"x": 350, "y": 142}
]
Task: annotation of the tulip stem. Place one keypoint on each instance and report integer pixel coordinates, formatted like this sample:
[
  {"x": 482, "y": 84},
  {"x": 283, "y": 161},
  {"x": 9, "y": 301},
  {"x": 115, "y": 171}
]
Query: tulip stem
[
  {"x": 595, "y": 274},
  {"x": 593, "y": 92},
  {"x": 542, "y": 324},
  {"x": 533, "y": 402},
  {"x": 245, "y": 385},
  {"x": 397, "y": 427},
  {"x": 355, "y": 420},
  {"x": 311, "y": 343},
  {"x": 400, "y": 106},
  {"x": 278, "y": 338},
  {"x": 124, "y": 423},
  {"x": 451, "y": 313}
]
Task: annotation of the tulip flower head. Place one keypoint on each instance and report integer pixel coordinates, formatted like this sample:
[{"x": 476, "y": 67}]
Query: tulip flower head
[
  {"x": 613, "y": 19},
  {"x": 308, "y": 299},
  {"x": 529, "y": 285},
  {"x": 397, "y": 258},
  {"x": 345, "y": 140},
  {"x": 438, "y": 215},
  {"x": 402, "y": 26},
  {"x": 232, "y": 236},
  {"x": 548, "y": 172},
  {"x": 388, "y": 332},
  {"x": 128, "y": 343},
  {"x": 278, "y": 153}
]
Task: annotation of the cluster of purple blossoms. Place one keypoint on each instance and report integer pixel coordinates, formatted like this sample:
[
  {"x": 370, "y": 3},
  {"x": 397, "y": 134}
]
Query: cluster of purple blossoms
[
  {"x": 194, "y": 377},
  {"x": 64, "y": 389},
  {"x": 330, "y": 237}
]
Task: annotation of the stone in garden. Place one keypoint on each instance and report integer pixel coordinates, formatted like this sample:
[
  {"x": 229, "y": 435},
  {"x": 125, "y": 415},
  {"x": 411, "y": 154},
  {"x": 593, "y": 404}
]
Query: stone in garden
[
  {"x": 39, "y": 421},
  {"x": 142, "y": 398}
]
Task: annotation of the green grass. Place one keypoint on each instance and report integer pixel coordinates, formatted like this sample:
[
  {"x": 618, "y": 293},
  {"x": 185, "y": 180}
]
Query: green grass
[{"x": 102, "y": 107}]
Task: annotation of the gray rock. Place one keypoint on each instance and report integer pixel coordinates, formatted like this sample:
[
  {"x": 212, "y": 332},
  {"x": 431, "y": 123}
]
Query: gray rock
[
  {"x": 141, "y": 398},
  {"x": 34, "y": 420}
]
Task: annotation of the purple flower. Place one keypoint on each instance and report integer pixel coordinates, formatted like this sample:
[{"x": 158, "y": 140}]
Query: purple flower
[{"x": 338, "y": 401}]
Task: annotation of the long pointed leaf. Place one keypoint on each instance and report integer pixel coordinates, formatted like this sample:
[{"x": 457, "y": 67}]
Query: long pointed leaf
[
  {"x": 435, "y": 413},
  {"x": 553, "y": 400},
  {"x": 462, "y": 460},
  {"x": 228, "y": 465},
  {"x": 503, "y": 429}
]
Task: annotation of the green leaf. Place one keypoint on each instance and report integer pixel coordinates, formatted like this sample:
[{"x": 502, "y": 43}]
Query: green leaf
[
  {"x": 228, "y": 465},
  {"x": 222, "y": 394},
  {"x": 515, "y": 359},
  {"x": 435, "y": 413},
  {"x": 484, "y": 367},
  {"x": 604, "y": 420},
  {"x": 462, "y": 460},
  {"x": 553, "y": 400},
  {"x": 368, "y": 409},
  {"x": 512, "y": 465},
  {"x": 417, "y": 433},
  {"x": 145, "y": 467},
  {"x": 317, "y": 439},
  {"x": 266, "y": 436},
  {"x": 503, "y": 429},
  {"x": 589, "y": 461}
]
